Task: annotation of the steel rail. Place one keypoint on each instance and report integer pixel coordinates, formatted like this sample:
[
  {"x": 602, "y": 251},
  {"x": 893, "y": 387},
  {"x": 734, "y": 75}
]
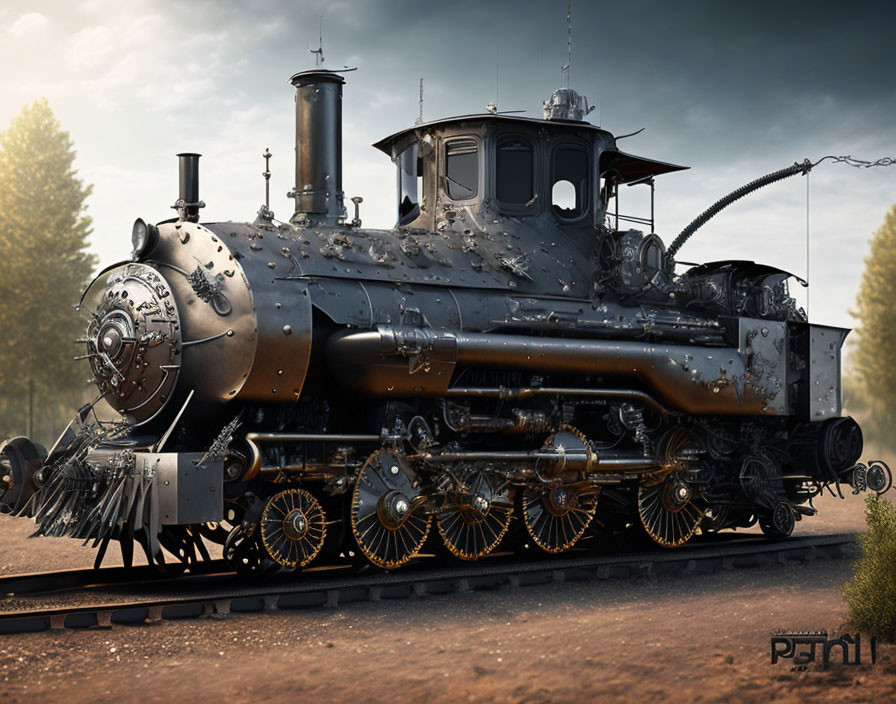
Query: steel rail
[
  {"x": 79, "y": 579},
  {"x": 322, "y": 589}
]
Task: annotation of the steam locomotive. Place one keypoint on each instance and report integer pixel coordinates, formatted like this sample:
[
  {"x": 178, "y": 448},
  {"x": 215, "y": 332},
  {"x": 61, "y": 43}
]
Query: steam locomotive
[{"x": 508, "y": 363}]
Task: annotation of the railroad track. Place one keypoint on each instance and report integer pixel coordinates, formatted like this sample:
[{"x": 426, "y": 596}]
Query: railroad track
[
  {"x": 71, "y": 580},
  {"x": 206, "y": 591}
]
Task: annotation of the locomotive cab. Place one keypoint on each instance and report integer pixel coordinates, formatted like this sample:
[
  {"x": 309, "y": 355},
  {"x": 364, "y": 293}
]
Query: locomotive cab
[
  {"x": 559, "y": 173},
  {"x": 509, "y": 166}
]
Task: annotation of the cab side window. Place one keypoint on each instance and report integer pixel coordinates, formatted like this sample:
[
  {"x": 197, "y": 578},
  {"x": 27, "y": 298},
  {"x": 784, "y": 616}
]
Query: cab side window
[
  {"x": 569, "y": 181},
  {"x": 462, "y": 169},
  {"x": 409, "y": 185},
  {"x": 514, "y": 172}
]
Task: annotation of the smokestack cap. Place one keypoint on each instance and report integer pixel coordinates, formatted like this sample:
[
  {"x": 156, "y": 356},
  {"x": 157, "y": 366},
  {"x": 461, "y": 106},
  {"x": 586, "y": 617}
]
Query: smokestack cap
[{"x": 316, "y": 75}]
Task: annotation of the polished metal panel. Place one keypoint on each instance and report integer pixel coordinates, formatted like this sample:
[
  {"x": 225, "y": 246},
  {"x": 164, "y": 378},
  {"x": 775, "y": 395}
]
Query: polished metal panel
[
  {"x": 215, "y": 301},
  {"x": 187, "y": 493},
  {"x": 764, "y": 345},
  {"x": 283, "y": 314},
  {"x": 824, "y": 371},
  {"x": 505, "y": 393},
  {"x": 369, "y": 303},
  {"x": 278, "y": 307}
]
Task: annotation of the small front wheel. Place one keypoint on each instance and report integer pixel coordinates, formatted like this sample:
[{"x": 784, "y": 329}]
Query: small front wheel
[
  {"x": 244, "y": 552},
  {"x": 780, "y": 524}
]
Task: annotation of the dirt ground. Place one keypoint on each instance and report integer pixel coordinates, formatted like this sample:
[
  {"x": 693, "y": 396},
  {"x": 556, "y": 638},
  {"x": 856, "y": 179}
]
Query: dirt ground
[{"x": 685, "y": 638}]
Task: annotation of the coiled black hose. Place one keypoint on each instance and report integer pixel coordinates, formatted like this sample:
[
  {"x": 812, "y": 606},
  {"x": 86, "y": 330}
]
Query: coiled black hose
[{"x": 797, "y": 168}]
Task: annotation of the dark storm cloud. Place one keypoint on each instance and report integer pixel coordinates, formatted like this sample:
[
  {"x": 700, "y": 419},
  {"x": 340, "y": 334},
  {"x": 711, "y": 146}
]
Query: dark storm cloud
[{"x": 739, "y": 72}]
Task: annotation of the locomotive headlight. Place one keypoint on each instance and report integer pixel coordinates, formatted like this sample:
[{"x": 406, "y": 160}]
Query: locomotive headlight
[{"x": 143, "y": 238}]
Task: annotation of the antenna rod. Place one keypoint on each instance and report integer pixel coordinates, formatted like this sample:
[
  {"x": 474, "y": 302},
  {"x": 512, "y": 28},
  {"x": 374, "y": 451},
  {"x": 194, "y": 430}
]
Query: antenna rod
[
  {"x": 420, "y": 116},
  {"x": 319, "y": 52},
  {"x": 497, "y": 84},
  {"x": 568, "y": 42},
  {"x": 267, "y": 177}
]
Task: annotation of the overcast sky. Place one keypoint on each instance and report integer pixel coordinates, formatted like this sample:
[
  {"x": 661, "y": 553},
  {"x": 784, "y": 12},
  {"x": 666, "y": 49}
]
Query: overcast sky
[{"x": 733, "y": 89}]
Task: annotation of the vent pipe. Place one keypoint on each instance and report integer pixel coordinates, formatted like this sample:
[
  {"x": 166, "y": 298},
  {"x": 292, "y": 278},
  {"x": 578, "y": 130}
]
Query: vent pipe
[{"x": 318, "y": 189}]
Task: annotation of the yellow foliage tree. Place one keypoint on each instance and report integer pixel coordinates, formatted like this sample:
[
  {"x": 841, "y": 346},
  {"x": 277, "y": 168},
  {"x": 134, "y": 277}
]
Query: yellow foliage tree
[
  {"x": 875, "y": 373},
  {"x": 871, "y": 592},
  {"x": 44, "y": 266}
]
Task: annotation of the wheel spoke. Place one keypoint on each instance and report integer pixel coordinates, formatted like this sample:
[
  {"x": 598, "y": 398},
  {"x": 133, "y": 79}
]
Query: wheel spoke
[
  {"x": 555, "y": 529},
  {"x": 668, "y": 526},
  {"x": 293, "y": 527},
  {"x": 466, "y": 533},
  {"x": 387, "y": 544}
]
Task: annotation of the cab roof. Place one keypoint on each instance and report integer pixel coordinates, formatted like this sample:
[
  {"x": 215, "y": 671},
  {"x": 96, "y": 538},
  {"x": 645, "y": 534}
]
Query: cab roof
[
  {"x": 385, "y": 144},
  {"x": 627, "y": 167}
]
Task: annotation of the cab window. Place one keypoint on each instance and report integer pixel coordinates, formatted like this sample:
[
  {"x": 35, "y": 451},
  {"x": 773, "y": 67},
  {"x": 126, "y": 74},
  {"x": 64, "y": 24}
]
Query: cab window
[
  {"x": 569, "y": 181},
  {"x": 462, "y": 169},
  {"x": 410, "y": 179},
  {"x": 514, "y": 172}
]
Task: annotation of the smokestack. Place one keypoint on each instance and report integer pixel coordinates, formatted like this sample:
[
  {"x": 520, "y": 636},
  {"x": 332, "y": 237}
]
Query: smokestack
[
  {"x": 188, "y": 203},
  {"x": 318, "y": 189}
]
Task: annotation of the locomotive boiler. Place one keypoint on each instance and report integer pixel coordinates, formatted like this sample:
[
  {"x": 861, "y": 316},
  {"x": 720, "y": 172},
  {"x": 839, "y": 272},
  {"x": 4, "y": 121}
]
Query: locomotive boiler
[{"x": 510, "y": 364}]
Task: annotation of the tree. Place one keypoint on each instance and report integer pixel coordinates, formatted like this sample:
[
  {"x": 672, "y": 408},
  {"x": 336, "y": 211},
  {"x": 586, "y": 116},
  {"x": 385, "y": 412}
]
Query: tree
[
  {"x": 871, "y": 592},
  {"x": 44, "y": 267},
  {"x": 875, "y": 372}
]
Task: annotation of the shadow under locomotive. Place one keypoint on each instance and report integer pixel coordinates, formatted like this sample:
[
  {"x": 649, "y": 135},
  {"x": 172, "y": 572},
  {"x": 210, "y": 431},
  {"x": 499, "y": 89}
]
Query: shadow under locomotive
[{"x": 307, "y": 389}]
